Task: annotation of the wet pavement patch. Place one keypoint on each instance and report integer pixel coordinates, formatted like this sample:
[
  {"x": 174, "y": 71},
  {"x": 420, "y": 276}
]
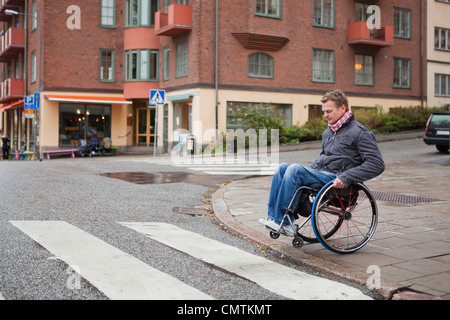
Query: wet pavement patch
[{"x": 158, "y": 178}]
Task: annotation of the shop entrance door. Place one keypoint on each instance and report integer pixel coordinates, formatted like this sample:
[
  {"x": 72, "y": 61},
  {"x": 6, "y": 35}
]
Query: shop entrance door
[{"x": 145, "y": 122}]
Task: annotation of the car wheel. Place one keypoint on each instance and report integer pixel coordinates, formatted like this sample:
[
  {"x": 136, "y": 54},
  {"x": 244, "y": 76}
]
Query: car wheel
[{"x": 442, "y": 148}]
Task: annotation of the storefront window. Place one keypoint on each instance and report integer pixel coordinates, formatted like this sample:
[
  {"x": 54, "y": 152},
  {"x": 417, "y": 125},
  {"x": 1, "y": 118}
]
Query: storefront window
[
  {"x": 83, "y": 121},
  {"x": 23, "y": 133}
]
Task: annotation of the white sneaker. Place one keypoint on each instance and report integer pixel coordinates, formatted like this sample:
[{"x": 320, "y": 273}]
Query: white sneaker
[
  {"x": 287, "y": 228},
  {"x": 264, "y": 221}
]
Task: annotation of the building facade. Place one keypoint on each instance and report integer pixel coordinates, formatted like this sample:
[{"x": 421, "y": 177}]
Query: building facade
[{"x": 95, "y": 62}]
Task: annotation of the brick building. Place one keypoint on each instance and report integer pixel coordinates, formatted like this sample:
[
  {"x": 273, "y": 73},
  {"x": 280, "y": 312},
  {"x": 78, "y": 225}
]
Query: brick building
[{"x": 96, "y": 62}]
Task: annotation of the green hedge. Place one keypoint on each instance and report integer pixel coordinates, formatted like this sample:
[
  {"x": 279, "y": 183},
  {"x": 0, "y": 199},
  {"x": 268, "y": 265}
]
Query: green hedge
[{"x": 397, "y": 119}]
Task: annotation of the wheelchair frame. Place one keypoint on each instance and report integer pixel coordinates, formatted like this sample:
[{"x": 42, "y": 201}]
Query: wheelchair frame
[{"x": 341, "y": 223}]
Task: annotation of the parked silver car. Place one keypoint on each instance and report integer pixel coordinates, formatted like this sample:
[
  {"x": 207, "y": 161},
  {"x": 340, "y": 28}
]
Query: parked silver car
[{"x": 437, "y": 131}]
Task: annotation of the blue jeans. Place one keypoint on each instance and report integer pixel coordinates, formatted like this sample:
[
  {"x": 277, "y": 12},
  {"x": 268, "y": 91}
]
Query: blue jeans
[{"x": 286, "y": 180}]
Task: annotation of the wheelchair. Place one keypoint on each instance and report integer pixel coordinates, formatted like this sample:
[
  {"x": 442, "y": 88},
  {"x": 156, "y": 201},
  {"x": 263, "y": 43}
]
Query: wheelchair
[{"x": 342, "y": 220}]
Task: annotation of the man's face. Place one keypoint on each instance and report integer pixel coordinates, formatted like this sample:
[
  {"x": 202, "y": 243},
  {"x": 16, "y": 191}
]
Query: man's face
[{"x": 331, "y": 112}]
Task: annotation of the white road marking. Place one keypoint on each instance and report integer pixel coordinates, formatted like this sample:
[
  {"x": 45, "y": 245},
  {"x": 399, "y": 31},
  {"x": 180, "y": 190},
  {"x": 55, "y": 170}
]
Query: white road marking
[
  {"x": 219, "y": 165},
  {"x": 117, "y": 274},
  {"x": 272, "y": 276}
]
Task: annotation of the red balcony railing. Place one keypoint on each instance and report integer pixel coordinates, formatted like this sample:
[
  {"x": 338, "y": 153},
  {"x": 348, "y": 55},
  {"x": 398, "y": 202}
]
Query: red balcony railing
[
  {"x": 359, "y": 33},
  {"x": 11, "y": 89},
  {"x": 11, "y": 43},
  {"x": 173, "y": 20}
]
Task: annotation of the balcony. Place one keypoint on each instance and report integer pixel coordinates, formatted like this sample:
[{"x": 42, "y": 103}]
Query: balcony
[
  {"x": 9, "y": 4},
  {"x": 173, "y": 20},
  {"x": 11, "y": 89},
  {"x": 11, "y": 43},
  {"x": 359, "y": 33}
]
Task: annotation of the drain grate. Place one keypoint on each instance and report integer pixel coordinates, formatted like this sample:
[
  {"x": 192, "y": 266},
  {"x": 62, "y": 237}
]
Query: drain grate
[
  {"x": 403, "y": 198},
  {"x": 190, "y": 211}
]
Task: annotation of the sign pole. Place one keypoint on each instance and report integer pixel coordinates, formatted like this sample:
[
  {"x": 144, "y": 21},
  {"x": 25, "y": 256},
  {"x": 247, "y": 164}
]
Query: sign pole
[
  {"x": 156, "y": 131},
  {"x": 37, "y": 98},
  {"x": 157, "y": 98}
]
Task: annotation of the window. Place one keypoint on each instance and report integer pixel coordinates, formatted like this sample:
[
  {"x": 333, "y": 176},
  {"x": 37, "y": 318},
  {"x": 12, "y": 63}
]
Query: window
[
  {"x": 364, "y": 70},
  {"x": 323, "y": 65},
  {"x": 361, "y": 11},
  {"x": 269, "y": 8},
  {"x": 402, "y": 73},
  {"x": 83, "y": 121},
  {"x": 181, "y": 68},
  {"x": 141, "y": 13},
  {"x": 33, "y": 66},
  {"x": 402, "y": 23},
  {"x": 323, "y": 13},
  {"x": 16, "y": 69},
  {"x": 34, "y": 15},
  {"x": 314, "y": 112},
  {"x": 107, "y": 13},
  {"x": 442, "y": 84},
  {"x": 236, "y": 109},
  {"x": 141, "y": 65},
  {"x": 442, "y": 39},
  {"x": 182, "y": 1},
  {"x": 260, "y": 65},
  {"x": 166, "y": 63},
  {"x": 106, "y": 65}
]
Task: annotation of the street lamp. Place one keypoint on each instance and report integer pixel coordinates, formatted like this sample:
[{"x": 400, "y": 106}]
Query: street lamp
[{"x": 10, "y": 12}]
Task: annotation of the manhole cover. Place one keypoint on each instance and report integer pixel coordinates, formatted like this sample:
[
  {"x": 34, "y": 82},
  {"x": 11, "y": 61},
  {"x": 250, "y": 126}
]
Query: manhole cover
[
  {"x": 190, "y": 211},
  {"x": 157, "y": 178}
]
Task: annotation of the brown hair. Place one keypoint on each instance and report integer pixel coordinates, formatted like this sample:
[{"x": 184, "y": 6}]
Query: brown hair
[{"x": 338, "y": 96}]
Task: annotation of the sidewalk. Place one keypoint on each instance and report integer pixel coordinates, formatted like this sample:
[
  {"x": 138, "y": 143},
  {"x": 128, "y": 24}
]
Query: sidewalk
[{"x": 411, "y": 245}]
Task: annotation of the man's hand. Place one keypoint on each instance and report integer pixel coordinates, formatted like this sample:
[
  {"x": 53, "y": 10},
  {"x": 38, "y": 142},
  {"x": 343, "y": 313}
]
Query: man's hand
[{"x": 338, "y": 184}]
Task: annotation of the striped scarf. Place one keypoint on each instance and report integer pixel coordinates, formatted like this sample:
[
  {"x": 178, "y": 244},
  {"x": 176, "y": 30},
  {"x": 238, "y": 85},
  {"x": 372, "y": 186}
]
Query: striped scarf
[{"x": 335, "y": 127}]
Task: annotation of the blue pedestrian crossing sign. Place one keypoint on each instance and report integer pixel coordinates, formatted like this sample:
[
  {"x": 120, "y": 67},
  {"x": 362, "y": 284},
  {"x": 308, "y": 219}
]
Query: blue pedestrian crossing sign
[{"x": 157, "y": 97}]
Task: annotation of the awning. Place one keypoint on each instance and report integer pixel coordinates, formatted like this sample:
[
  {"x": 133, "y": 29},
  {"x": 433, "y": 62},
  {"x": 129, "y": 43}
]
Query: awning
[
  {"x": 12, "y": 105},
  {"x": 87, "y": 99}
]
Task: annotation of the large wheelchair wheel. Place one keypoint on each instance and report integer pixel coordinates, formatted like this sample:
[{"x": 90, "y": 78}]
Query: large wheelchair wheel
[
  {"x": 305, "y": 228},
  {"x": 344, "y": 220}
]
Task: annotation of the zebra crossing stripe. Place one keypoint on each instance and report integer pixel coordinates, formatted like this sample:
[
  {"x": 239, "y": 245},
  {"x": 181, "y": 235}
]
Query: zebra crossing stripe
[
  {"x": 272, "y": 276},
  {"x": 117, "y": 274}
]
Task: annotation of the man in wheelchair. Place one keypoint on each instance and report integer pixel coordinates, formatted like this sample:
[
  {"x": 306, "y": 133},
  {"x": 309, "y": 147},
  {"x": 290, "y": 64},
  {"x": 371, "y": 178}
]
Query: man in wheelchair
[{"x": 349, "y": 155}]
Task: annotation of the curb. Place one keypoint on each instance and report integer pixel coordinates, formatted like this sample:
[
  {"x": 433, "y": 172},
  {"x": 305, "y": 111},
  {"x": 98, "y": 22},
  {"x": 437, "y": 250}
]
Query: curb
[
  {"x": 388, "y": 290},
  {"x": 221, "y": 211}
]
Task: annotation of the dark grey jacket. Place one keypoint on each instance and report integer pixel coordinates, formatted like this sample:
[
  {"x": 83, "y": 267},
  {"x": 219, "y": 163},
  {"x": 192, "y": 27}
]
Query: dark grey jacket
[{"x": 351, "y": 154}]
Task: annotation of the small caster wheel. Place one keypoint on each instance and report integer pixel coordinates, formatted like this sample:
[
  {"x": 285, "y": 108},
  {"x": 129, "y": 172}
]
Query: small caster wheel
[
  {"x": 297, "y": 242},
  {"x": 274, "y": 235}
]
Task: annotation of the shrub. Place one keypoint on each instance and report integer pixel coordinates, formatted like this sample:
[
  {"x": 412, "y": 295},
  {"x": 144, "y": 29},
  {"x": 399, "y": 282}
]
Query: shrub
[{"x": 397, "y": 119}]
